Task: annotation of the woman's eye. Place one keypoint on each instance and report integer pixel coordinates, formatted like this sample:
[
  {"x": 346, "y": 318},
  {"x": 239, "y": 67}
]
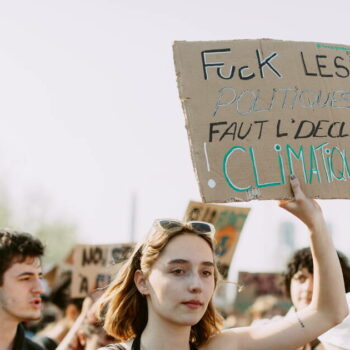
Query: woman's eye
[
  {"x": 207, "y": 273},
  {"x": 178, "y": 272}
]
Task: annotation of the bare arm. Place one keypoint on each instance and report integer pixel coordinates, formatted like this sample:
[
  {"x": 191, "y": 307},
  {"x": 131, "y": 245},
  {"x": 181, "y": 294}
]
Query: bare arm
[
  {"x": 328, "y": 297},
  {"x": 328, "y": 306}
]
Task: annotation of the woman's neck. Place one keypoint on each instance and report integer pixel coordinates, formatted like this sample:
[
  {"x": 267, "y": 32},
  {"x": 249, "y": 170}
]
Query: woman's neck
[{"x": 160, "y": 335}]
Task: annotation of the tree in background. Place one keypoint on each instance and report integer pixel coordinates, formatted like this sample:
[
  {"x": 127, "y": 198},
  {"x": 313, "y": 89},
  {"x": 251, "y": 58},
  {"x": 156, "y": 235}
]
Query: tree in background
[
  {"x": 36, "y": 214},
  {"x": 59, "y": 237},
  {"x": 5, "y": 208}
]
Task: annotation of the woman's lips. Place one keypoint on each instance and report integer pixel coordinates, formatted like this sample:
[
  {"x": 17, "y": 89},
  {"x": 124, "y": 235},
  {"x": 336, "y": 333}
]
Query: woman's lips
[{"x": 193, "y": 304}]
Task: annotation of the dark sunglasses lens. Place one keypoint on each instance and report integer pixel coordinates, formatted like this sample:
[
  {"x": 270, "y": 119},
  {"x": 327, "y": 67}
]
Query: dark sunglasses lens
[
  {"x": 169, "y": 225},
  {"x": 201, "y": 227}
]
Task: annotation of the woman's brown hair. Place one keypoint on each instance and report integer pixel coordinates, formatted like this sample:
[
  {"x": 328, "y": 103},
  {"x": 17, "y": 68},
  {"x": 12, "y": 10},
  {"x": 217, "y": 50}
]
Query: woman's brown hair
[{"x": 124, "y": 310}]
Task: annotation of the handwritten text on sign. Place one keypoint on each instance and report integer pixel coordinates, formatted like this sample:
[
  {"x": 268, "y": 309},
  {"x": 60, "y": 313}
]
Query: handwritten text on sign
[
  {"x": 96, "y": 265},
  {"x": 228, "y": 222},
  {"x": 260, "y": 110}
]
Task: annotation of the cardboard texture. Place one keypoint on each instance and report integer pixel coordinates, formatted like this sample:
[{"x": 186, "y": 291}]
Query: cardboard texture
[
  {"x": 96, "y": 265},
  {"x": 259, "y": 110},
  {"x": 228, "y": 222}
]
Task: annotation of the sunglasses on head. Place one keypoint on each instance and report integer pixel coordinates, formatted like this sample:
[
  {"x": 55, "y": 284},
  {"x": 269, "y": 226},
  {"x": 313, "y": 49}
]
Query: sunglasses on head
[{"x": 199, "y": 227}]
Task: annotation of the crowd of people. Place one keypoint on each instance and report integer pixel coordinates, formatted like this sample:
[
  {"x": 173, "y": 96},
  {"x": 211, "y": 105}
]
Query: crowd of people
[{"x": 162, "y": 296}]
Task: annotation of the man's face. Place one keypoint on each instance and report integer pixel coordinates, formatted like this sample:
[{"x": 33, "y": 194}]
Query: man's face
[
  {"x": 301, "y": 288},
  {"x": 21, "y": 290}
]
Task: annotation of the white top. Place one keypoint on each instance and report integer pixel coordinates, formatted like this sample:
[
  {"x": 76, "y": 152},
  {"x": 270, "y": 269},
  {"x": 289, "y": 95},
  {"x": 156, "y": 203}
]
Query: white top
[{"x": 338, "y": 335}]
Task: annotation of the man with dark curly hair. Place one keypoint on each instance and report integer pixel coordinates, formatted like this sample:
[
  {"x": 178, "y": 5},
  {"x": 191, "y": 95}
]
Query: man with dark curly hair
[
  {"x": 298, "y": 283},
  {"x": 20, "y": 287}
]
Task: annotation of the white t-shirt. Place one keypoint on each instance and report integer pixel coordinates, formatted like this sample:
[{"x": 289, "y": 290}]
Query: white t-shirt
[{"x": 338, "y": 336}]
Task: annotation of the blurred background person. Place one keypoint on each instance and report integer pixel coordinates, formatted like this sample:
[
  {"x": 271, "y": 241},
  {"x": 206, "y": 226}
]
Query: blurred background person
[
  {"x": 20, "y": 287},
  {"x": 86, "y": 332},
  {"x": 55, "y": 331},
  {"x": 299, "y": 282},
  {"x": 265, "y": 306}
]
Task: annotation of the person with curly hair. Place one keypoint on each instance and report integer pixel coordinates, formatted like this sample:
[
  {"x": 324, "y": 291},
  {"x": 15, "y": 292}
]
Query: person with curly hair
[
  {"x": 299, "y": 285},
  {"x": 20, "y": 287}
]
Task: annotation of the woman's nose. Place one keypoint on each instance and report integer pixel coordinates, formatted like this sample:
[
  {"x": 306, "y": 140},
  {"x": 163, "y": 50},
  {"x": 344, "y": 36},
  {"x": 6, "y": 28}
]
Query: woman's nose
[{"x": 195, "y": 283}]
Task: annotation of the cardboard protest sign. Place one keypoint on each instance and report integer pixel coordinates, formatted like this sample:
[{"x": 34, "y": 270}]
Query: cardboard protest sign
[
  {"x": 96, "y": 265},
  {"x": 260, "y": 110},
  {"x": 60, "y": 273},
  {"x": 228, "y": 222}
]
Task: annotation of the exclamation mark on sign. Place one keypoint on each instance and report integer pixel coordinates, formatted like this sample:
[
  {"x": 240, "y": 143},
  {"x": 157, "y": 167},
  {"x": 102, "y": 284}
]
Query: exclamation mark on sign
[{"x": 211, "y": 182}]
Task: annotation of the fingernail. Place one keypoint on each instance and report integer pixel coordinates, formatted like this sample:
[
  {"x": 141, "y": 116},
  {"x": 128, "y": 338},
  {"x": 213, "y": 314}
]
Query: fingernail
[{"x": 292, "y": 177}]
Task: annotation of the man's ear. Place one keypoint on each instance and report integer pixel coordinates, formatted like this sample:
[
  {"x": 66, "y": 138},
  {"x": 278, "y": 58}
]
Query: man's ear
[{"x": 141, "y": 282}]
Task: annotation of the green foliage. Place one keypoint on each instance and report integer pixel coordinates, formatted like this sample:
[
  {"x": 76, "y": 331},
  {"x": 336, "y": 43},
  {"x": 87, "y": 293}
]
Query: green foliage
[
  {"x": 59, "y": 238},
  {"x": 38, "y": 218},
  {"x": 5, "y": 209}
]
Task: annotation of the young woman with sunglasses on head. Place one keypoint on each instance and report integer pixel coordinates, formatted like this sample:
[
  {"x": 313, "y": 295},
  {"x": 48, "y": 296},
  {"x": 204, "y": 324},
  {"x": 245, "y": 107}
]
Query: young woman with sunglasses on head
[{"x": 162, "y": 297}]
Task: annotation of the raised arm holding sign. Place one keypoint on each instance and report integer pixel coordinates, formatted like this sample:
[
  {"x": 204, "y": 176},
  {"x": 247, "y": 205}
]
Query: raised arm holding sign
[{"x": 162, "y": 296}]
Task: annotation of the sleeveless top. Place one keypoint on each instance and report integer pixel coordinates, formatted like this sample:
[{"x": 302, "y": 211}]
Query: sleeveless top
[{"x": 135, "y": 345}]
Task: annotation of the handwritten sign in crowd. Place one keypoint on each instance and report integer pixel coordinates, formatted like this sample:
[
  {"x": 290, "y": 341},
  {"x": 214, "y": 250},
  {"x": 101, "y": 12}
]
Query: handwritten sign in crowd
[
  {"x": 228, "y": 222},
  {"x": 94, "y": 266},
  {"x": 260, "y": 110}
]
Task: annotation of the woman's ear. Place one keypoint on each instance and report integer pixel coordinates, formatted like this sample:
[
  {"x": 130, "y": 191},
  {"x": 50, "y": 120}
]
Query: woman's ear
[{"x": 141, "y": 282}]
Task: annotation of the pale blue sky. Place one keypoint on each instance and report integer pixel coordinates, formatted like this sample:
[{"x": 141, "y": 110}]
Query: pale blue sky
[{"x": 90, "y": 112}]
